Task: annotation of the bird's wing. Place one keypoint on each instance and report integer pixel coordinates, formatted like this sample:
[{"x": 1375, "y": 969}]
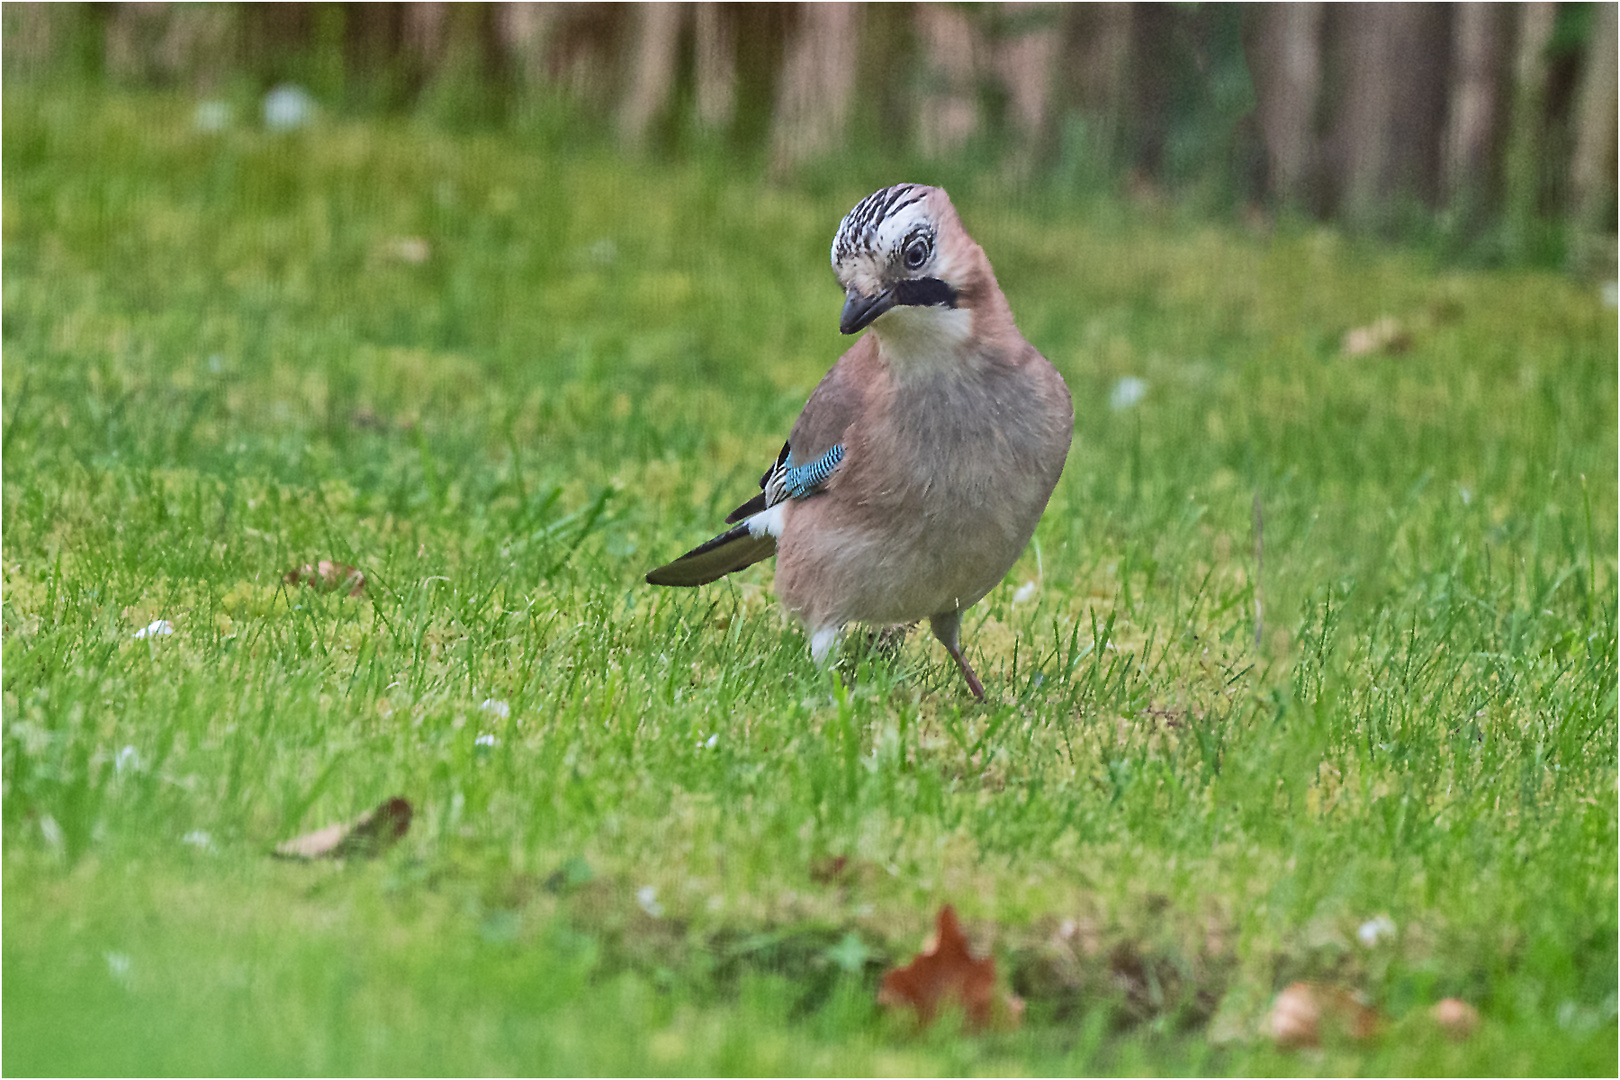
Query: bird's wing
[
  {"x": 808, "y": 460},
  {"x": 816, "y": 446}
]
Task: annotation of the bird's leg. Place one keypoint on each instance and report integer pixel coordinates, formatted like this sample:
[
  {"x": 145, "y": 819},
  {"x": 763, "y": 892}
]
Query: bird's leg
[{"x": 948, "y": 628}]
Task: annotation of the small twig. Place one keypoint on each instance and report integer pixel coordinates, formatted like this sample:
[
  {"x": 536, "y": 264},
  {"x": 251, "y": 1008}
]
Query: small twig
[{"x": 1259, "y": 570}]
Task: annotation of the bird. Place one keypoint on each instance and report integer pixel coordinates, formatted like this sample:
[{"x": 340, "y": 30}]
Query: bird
[{"x": 923, "y": 460}]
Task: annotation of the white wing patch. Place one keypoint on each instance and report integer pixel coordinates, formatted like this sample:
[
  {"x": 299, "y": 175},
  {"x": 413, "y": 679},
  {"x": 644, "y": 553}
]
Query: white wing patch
[{"x": 767, "y": 521}]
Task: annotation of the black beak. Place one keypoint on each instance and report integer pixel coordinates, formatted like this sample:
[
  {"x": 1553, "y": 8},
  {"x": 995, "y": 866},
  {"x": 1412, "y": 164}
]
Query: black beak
[{"x": 859, "y": 311}]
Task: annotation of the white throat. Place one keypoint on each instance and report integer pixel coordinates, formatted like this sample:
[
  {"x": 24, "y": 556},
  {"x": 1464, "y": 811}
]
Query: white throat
[{"x": 923, "y": 340}]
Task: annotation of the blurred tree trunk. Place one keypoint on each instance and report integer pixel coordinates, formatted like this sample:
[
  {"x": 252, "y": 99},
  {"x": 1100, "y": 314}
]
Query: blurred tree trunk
[
  {"x": 32, "y": 33},
  {"x": 1385, "y": 140},
  {"x": 525, "y": 31},
  {"x": 1025, "y": 63},
  {"x": 424, "y": 32},
  {"x": 460, "y": 48},
  {"x": 1284, "y": 50},
  {"x": 949, "y": 109},
  {"x": 1521, "y": 159},
  {"x": 657, "y": 34},
  {"x": 170, "y": 44},
  {"x": 1592, "y": 173},
  {"x": 1474, "y": 123},
  {"x": 1153, "y": 27},
  {"x": 818, "y": 84},
  {"x": 716, "y": 62},
  {"x": 1092, "y": 75}
]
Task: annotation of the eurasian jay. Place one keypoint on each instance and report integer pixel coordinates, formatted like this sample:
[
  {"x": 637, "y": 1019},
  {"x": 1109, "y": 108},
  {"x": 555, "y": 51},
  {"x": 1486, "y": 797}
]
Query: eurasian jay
[{"x": 920, "y": 465}]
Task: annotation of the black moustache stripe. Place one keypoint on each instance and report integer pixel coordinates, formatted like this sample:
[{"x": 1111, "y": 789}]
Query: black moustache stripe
[{"x": 925, "y": 292}]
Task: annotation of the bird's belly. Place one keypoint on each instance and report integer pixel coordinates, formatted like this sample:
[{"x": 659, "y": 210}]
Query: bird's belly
[{"x": 921, "y": 560}]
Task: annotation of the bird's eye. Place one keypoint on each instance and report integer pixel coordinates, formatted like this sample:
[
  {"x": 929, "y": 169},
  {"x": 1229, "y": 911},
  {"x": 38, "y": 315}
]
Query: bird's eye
[{"x": 916, "y": 254}]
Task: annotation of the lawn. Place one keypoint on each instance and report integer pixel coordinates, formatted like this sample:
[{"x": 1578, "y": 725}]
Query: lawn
[{"x": 1309, "y": 673}]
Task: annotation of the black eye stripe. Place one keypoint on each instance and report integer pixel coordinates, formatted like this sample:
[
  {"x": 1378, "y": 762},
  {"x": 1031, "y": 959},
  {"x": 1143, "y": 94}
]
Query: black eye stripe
[{"x": 924, "y": 292}]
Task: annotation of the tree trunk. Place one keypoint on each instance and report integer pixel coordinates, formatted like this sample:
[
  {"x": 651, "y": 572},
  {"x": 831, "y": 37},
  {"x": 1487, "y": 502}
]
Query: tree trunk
[
  {"x": 818, "y": 84},
  {"x": 949, "y": 109},
  {"x": 716, "y": 35},
  {"x": 424, "y": 33},
  {"x": 653, "y": 78},
  {"x": 1521, "y": 164},
  {"x": 1386, "y": 139},
  {"x": 525, "y": 32},
  {"x": 1474, "y": 122},
  {"x": 33, "y": 35},
  {"x": 169, "y": 44},
  {"x": 1092, "y": 74},
  {"x": 1153, "y": 30},
  {"x": 1284, "y": 50},
  {"x": 1024, "y": 63},
  {"x": 1592, "y": 172}
]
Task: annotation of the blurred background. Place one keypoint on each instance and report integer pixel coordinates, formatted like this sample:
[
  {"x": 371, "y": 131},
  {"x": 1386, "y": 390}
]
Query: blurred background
[{"x": 1485, "y": 129}]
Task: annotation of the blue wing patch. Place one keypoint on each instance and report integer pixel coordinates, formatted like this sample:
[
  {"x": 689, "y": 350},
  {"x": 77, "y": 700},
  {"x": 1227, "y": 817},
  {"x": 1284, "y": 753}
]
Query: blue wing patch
[{"x": 801, "y": 480}]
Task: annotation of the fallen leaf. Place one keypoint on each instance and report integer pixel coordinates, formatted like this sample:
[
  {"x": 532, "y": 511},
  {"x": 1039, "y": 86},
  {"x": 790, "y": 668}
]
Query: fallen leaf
[
  {"x": 1306, "y": 1012},
  {"x": 369, "y": 834},
  {"x": 829, "y": 869},
  {"x": 844, "y": 873},
  {"x": 1455, "y": 1017},
  {"x": 326, "y": 576},
  {"x": 945, "y": 974},
  {"x": 1386, "y": 335}
]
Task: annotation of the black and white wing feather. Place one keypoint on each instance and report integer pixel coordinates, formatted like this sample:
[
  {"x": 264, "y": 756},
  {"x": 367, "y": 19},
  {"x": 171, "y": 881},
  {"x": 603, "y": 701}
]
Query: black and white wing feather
[{"x": 755, "y": 524}]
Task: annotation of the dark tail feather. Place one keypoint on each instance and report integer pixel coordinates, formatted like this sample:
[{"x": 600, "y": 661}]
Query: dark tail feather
[{"x": 731, "y": 550}]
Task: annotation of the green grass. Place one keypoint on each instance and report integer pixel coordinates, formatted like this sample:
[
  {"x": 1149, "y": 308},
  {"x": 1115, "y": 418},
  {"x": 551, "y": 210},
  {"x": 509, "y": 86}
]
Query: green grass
[{"x": 217, "y": 367}]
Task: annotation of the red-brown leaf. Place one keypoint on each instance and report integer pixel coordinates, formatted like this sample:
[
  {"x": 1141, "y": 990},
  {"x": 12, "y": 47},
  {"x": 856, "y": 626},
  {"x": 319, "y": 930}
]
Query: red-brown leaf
[
  {"x": 944, "y": 975},
  {"x": 369, "y": 834},
  {"x": 1304, "y": 1013},
  {"x": 327, "y": 576}
]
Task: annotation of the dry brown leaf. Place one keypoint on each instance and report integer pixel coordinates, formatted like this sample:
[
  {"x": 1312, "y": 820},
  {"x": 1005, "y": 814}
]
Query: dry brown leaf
[
  {"x": 369, "y": 834},
  {"x": 1306, "y": 1012},
  {"x": 327, "y": 576},
  {"x": 1455, "y": 1017},
  {"x": 829, "y": 869},
  {"x": 1386, "y": 335},
  {"x": 945, "y": 974},
  {"x": 844, "y": 873}
]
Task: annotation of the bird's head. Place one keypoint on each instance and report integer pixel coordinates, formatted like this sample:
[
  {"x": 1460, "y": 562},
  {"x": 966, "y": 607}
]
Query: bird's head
[{"x": 903, "y": 250}]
